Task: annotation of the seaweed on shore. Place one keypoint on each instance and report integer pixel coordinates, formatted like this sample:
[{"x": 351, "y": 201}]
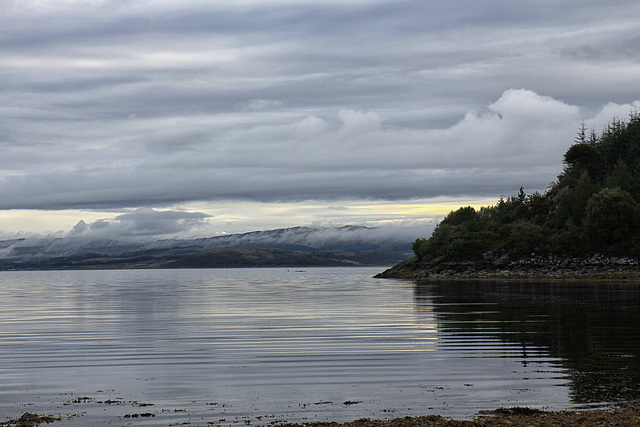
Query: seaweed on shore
[
  {"x": 624, "y": 414},
  {"x": 627, "y": 414},
  {"x": 30, "y": 420}
]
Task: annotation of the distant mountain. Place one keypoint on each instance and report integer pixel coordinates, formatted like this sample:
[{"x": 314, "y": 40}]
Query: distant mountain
[
  {"x": 265, "y": 257},
  {"x": 348, "y": 245}
]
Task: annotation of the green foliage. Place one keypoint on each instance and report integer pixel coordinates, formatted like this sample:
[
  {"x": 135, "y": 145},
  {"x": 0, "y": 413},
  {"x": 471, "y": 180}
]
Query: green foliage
[
  {"x": 624, "y": 177},
  {"x": 592, "y": 208},
  {"x": 420, "y": 247},
  {"x": 583, "y": 158},
  {"x": 574, "y": 199},
  {"x": 611, "y": 219},
  {"x": 460, "y": 235},
  {"x": 526, "y": 238},
  {"x": 571, "y": 240},
  {"x": 466, "y": 217}
]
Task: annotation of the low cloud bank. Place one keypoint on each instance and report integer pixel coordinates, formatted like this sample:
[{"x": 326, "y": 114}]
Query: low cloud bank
[
  {"x": 140, "y": 224},
  {"x": 319, "y": 237},
  {"x": 133, "y": 232}
]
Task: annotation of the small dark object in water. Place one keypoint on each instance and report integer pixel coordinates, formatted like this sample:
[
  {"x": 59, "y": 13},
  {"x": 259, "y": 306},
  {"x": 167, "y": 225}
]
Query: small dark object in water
[{"x": 146, "y": 414}]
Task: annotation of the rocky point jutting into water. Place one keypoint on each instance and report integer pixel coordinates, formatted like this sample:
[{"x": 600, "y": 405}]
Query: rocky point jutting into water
[
  {"x": 552, "y": 268},
  {"x": 587, "y": 225}
]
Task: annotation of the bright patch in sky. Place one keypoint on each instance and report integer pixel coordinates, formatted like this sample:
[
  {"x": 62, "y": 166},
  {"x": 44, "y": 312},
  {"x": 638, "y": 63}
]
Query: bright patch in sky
[{"x": 232, "y": 217}]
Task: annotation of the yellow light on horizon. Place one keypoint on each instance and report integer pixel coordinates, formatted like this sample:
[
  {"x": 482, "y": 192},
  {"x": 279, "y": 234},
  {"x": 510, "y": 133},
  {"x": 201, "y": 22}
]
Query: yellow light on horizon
[
  {"x": 423, "y": 209},
  {"x": 244, "y": 216}
]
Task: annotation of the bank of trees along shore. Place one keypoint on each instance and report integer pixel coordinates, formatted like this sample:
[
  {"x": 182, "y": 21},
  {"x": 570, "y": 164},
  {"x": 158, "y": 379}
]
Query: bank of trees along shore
[{"x": 592, "y": 208}]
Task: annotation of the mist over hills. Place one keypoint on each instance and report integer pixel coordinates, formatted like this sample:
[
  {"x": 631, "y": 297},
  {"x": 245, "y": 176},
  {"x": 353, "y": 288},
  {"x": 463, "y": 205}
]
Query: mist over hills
[{"x": 298, "y": 246}]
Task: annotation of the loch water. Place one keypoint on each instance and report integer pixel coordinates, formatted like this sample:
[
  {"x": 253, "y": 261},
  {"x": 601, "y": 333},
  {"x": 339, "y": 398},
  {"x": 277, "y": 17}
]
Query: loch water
[{"x": 257, "y": 346}]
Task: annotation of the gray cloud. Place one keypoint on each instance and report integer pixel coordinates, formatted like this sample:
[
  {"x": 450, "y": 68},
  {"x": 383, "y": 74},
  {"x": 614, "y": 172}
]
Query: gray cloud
[
  {"x": 141, "y": 223},
  {"x": 113, "y": 104},
  {"x": 517, "y": 140}
]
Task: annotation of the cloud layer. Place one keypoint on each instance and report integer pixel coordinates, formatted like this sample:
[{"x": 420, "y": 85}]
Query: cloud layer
[
  {"x": 517, "y": 140},
  {"x": 142, "y": 223},
  {"x": 120, "y": 104}
]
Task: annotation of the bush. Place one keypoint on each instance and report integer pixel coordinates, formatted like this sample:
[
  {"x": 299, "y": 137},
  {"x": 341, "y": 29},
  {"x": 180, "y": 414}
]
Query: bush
[
  {"x": 526, "y": 238},
  {"x": 420, "y": 246},
  {"x": 611, "y": 219}
]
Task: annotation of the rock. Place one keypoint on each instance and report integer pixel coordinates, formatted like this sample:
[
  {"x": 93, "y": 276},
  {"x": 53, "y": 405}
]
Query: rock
[{"x": 593, "y": 268}]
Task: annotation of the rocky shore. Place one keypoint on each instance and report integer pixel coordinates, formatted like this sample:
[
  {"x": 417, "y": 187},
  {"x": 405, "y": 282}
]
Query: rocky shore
[
  {"x": 595, "y": 268},
  {"x": 623, "y": 414},
  {"x": 627, "y": 414}
]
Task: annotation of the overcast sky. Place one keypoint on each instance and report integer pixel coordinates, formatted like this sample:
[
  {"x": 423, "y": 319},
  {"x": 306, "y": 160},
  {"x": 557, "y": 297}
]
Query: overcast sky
[{"x": 225, "y": 116}]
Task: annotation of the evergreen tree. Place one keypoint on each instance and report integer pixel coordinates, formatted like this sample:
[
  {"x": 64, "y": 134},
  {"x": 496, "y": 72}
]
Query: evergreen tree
[{"x": 592, "y": 208}]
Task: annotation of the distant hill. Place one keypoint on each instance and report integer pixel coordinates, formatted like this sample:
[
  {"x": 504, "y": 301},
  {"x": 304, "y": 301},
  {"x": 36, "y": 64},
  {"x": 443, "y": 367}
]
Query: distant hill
[
  {"x": 298, "y": 246},
  {"x": 263, "y": 257}
]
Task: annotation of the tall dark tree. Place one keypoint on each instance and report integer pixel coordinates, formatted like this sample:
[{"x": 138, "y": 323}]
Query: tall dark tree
[{"x": 592, "y": 208}]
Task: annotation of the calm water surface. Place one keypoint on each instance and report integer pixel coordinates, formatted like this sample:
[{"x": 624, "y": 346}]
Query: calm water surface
[{"x": 253, "y": 346}]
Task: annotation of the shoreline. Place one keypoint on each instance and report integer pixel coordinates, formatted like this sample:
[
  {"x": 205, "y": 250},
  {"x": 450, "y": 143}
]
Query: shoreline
[
  {"x": 591, "y": 269},
  {"x": 625, "y": 413}
]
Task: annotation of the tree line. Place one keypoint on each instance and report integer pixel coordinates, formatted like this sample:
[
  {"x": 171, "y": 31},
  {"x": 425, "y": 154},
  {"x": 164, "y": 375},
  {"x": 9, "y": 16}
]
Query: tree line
[{"x": 592, "y": 208}]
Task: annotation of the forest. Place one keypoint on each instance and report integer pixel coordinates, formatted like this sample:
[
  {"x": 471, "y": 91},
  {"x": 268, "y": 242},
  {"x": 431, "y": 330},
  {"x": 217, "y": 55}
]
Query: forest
[{"x": 592, "y": 208}]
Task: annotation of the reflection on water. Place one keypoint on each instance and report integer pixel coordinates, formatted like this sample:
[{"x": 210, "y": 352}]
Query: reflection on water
[
  {"x": 593, "y": 329},
  {"x": 258, "y": 345}
]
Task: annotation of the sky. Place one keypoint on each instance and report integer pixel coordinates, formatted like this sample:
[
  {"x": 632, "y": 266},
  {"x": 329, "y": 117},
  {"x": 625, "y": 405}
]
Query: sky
[{"x": 195, "y": 118}]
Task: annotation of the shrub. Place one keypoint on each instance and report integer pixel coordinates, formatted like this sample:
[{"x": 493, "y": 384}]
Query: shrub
[{"x": 610, "y": 219}]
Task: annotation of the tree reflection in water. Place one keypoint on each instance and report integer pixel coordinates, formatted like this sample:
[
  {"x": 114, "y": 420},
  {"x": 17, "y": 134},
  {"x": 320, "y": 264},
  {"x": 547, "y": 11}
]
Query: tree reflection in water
[{"x": 592, "y": 328}]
